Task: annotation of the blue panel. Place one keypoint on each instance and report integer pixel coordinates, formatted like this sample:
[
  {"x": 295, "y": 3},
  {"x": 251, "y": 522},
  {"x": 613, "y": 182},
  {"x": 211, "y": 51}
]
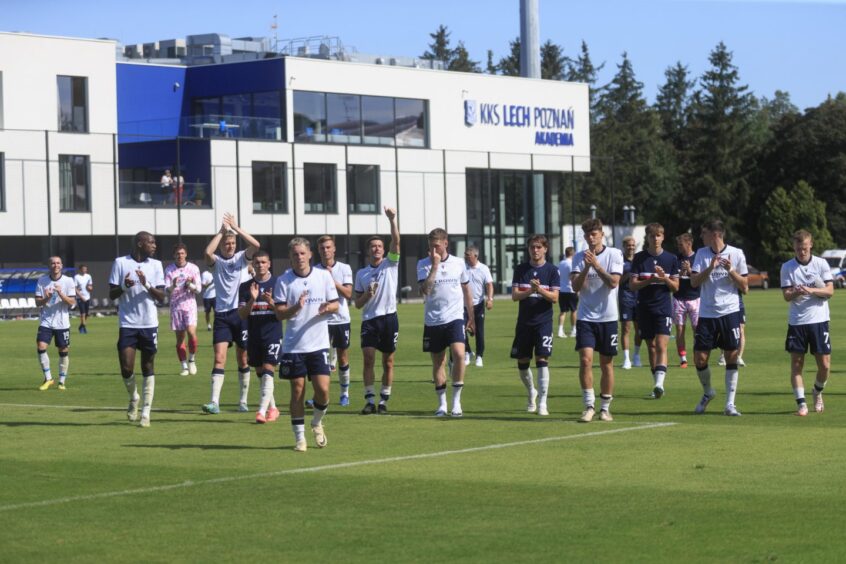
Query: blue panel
[
  {"x": 157, "y": 156},
  {"x": 148, "y": 103},
  {"x": 234, "y": 78}
]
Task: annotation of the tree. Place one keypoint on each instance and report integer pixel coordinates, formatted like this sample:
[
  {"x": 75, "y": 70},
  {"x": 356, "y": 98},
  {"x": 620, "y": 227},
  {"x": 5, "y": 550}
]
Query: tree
[
  {"x": 510, "y": 64},
  {"x": 783, "y": 213},
  {"x": 721, "y": 148},
  {"x": 582, "y": 69},
  {"x": 460, "y": 61},
  {"x": 633, "y": 161},
  {"x": 439, "y": 47},
  {"x": 673, "y": 104},
  {"x": 553, "y": 61},
  {"x": 490, "y": 68}
]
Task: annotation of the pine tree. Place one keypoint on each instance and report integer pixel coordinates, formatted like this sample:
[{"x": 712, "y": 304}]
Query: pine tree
[
  {"x": 510, "y": 65},
  {"x": 553, "y": 61},
  {"x": 439, "y": 47},
  {"x": 582, "y": 69},
  {"x": 460, "y": 60},
  {"x": 490, "y": 68},
  {"x": 673, "y": 104},
  {"x": 721, "y": 147}
]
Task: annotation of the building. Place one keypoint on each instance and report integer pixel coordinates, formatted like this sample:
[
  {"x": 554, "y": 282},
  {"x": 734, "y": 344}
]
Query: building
[{"x": 291, "y": 145}]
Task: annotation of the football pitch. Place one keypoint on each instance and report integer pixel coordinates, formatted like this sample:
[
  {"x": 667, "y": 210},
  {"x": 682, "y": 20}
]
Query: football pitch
[{"x": 81, "y": 484}]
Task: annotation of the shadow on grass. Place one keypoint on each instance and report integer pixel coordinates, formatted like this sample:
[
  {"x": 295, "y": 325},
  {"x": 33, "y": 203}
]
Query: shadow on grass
[{"x": 204, "y": 447}]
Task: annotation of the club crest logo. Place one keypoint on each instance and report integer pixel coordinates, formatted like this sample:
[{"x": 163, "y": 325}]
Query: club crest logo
[{"x": 470, "y": 113}]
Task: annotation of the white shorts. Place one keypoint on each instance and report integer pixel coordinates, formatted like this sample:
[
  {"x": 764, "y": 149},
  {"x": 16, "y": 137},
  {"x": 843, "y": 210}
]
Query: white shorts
[
  {"x": 181, "y": 319},
  {"x": 686, "y": 308}
]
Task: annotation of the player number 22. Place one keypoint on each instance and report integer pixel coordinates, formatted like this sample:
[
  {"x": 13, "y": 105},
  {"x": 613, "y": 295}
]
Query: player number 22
[{"x": 547, "y": 341}]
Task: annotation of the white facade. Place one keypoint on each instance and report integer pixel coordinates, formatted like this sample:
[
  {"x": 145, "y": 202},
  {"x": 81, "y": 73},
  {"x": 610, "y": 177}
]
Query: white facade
[
  {"x": 29, "y": 66},
  {"x": 474, "y": 120}
]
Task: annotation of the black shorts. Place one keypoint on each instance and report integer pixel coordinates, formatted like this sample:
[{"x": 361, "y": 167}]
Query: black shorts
[
  {"x": 627, "y": 312},
  {"x": 380, "y": 333},
  {"x": 600, "y": 336},
  {"x": 339, "y": 336},
  {"x": 718, "y": 333},
  {"x": 568, "y": 301},
  {"x": 300, "y": 365},
  {"x": 208, "y": 304},
  {"x": 146, "y": 340},
  {"x": 651, "y": 324},
  {"x": 532, "y": 339},
  {"x": 62, "y": 336},
  {"x": 438, "y": 337},
  {"x": 814, "y": 337},
  {"x": 230, "y": 328},
  {"x": 84, "y": 306},
  {"x": 261, "y": 352}
]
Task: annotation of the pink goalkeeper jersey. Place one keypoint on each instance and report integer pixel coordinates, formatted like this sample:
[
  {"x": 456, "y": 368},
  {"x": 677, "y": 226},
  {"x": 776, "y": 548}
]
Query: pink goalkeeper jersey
[{"x": 182, "y": 297}]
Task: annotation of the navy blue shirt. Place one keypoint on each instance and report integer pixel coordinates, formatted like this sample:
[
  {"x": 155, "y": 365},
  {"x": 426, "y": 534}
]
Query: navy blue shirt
[
  {"x": 627, "y": 296},
  {"x": 686, "y": 291},
  {"x": 262, "y": 323},
  {"x": 655, "y": 298},
  {"x": 535, "y": 310}
]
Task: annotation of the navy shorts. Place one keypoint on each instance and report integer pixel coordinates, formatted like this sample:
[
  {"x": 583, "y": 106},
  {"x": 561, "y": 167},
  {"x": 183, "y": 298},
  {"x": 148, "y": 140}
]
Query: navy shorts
[
  {"x": 339, "y": 336},
  {"x": 438, "y": 337},
  {"x": 600, "y": 336},
  {"x": 627, "y": 312},
  {"x": 84, "y": 306},
  {"x": 718, "y": 333},
  {"x": 529, "y": 339},
  {"x": 380, "y": 333},
  {"x": 62, "y": 336},
  {"x": 568, "y": 301},
  {"x": 261, "y": 352},
  {"x": 650, "y": 324},
  {"x": 230, "y": 328},
  {"x": 146, "y": 340},
  {"x": 300, "y": 365},
  {"x": 208, "y": 304},
  {"x": 814, "y": 337},
  {"x": 742, "y": 312}
]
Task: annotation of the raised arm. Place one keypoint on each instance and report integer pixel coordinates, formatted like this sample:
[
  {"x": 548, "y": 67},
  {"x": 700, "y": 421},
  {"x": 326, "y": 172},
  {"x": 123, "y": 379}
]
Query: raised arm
[
  {"x": 391, "y": 214},
  {"x": 252, "y": 243}
]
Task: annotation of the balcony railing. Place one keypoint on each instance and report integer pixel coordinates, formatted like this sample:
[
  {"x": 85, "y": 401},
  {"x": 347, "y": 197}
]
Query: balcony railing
[
  {"x": 153, "y": 195},
  {"x": 206, "y": 126}
]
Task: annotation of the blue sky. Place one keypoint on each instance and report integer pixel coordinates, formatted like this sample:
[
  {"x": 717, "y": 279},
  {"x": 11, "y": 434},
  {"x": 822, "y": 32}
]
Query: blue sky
[{"x": 797, "y": 46}]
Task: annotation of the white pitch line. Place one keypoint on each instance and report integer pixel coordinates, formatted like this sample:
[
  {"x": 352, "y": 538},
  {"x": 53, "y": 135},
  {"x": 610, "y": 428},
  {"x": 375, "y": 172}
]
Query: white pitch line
[{"x": 443, "y": 453}]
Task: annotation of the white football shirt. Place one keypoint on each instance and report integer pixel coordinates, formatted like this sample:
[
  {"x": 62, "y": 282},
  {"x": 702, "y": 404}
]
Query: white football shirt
[
  {"x": 307, "y": 331},
  {"x": 805, "y": 310},
  {"x": 445, "y": 303},
  {"x": 598, "y": 302},
  {"x": 342, "y": 274},
  {"x": 718, "y": 296},
  {"x": 565, "y": 267},
  {"x": 136, "y": 306},
  {"x": 228, "y": 275},
  {"x": 386, "y": 275},
  {"x": 55, "y": 314},
  {"x": 480, "y": 277},
  {"x": 82, "y": 281},
  {"x": 208, "y": 284}
]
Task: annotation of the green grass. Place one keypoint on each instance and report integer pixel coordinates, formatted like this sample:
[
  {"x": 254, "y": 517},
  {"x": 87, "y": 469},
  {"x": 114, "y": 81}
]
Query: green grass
[{"x": 764, "y": 487}]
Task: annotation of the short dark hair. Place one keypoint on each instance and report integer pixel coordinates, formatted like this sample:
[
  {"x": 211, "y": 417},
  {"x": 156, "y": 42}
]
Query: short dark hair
[
  {"x": 654, "y": 229},
  {"x": 569, "y": 251},
  {"x": 438, "y": 234},
  {"x": 374, "y": 238},
  {"x": 592, "y": 224},
  {"x": 182, "y": 246},
  {"x": 261, "y": 253},
  {"x": 140, "y": 236},
  {"x": 685, "y": 238},
  {"x": 714, "y": 226},
  {"x": 538, "y": 238}
]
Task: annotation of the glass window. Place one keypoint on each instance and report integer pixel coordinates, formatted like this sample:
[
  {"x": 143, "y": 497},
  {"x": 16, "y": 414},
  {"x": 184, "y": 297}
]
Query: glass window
[
  {"x": 270, "y": 192},
  {"x": 267, "y": 112},
  {"x": 411, "y": 122},
  {"x": 309, "y": 116},
  {"x": 377, "y": 118},
  {"x": 73, "y": 103},
  {"x": 73, "y": 183},
  {"x": 343, "y": 118},
  {"x": 363, "y": 188},
  {"x": 320, "y": 189}
]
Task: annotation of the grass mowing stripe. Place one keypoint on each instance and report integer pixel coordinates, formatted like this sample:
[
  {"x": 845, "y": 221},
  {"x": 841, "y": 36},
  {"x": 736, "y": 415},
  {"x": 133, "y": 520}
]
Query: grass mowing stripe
[{"x": 190, "y": 483}]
